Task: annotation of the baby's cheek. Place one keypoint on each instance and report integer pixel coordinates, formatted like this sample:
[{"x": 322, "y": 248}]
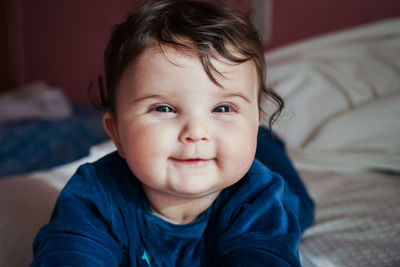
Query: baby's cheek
[
  {"x": 146, "y": 141},
  {"x": 239, "y": 154},
  {"x": 150, "y": 142}
]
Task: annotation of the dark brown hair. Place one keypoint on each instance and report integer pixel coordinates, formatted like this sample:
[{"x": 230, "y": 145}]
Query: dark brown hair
[{"x": 202, "y": 29}]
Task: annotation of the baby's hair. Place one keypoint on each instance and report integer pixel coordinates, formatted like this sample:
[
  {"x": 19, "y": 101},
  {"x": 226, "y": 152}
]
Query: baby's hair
[{"x": 198, "y": 28}]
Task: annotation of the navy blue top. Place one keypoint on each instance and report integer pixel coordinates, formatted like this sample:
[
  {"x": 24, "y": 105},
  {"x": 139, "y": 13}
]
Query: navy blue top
[{"x": 102, "y": 219}]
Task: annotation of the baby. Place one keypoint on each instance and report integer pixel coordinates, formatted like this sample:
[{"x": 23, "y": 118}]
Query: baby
[{"x": 184, "y": 81}]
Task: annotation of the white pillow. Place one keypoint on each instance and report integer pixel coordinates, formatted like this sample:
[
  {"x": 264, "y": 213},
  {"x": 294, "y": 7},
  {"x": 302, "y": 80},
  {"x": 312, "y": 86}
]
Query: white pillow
[{"x": 342, "y": 96}]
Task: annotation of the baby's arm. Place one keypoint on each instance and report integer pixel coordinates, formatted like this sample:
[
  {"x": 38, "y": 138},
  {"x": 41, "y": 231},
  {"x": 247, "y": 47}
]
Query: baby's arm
[
  {"x": 262, "y": 228},
  {"x": 271, "y": 152},
  {"x": 253, "y": 258},
  {"x": 79, "y": 231}
]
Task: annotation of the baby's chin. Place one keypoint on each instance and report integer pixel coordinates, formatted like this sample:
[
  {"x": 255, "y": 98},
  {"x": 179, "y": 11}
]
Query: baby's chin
[
  {"x": 193, "y": 193},
  {"x": 194, "y": 188}
]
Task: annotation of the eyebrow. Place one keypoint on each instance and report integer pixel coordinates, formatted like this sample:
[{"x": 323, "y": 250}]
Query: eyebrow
[
  {"x": 147, "y": 97},
  {"x": 150, "y": 96},
  {"x": 237, "y": 95}
]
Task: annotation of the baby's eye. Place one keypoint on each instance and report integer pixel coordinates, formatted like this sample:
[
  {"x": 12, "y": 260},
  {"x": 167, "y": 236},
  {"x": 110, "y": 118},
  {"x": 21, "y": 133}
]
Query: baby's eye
[
  {"x": 222, "y": 109},
  {"x": 164, "y": 108}
]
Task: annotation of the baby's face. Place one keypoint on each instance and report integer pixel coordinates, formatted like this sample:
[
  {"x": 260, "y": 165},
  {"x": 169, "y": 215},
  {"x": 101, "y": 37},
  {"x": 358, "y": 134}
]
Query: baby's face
[{"x": 180, "y": 133}]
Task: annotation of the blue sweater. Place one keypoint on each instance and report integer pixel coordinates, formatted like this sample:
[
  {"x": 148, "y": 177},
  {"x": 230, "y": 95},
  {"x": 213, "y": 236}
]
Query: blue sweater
[{"x": 102, "y": 219}]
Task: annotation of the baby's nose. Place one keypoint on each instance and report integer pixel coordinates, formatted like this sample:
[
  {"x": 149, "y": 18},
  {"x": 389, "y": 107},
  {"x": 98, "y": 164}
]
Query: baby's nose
[{"x": 194, "y": 130}]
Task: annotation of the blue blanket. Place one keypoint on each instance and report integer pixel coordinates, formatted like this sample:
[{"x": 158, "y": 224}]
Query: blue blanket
[{"x": 31, "y": 145}]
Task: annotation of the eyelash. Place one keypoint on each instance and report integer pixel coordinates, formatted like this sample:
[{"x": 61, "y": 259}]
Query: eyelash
[
  {"x": 163, "y": 108},
  {"x": 230, "y": 108}
]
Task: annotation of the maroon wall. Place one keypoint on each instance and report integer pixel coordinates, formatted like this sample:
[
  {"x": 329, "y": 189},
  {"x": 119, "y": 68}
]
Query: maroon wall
[
  {"x": 294, "y": 19},
  {"x": 62, "y": 42}
]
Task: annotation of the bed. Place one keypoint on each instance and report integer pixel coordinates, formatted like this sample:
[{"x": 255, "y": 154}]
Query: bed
[{"x": 341, "y": 126}]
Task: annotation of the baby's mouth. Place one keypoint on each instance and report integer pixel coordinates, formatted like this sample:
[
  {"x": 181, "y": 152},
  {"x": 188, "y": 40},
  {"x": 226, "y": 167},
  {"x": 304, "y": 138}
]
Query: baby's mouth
[{"x": 193, "y": 161}]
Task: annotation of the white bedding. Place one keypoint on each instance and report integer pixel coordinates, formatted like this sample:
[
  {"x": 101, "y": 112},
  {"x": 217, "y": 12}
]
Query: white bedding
[
  {"x": 343, "y": 98},
  {"x": 357, "y": 220},
  {"x": 342, "y": 129}
]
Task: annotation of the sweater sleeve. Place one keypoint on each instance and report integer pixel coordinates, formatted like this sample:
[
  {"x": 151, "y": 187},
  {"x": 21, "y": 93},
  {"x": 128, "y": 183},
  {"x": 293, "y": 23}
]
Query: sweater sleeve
[
  {"x": 258, "y": 224},
  {"x": 252, "y": 257},
  {"x": 271, "y": 151},
  {"x": 80, "y": 230}
]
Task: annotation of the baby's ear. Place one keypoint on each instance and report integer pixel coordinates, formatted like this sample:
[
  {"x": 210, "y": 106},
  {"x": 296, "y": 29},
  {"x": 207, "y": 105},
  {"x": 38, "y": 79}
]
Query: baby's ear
[{"x": 110, "y": 125}]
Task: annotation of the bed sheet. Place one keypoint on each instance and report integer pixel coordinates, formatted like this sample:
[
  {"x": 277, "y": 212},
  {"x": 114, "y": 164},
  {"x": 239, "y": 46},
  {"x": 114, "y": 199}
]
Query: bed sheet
[{"x": 357, "y": 220}]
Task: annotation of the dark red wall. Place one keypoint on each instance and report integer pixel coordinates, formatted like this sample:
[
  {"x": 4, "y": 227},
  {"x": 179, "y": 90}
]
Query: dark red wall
[
  {"x": 294, "y": 19},
  {"x": 62, "y": 42}
]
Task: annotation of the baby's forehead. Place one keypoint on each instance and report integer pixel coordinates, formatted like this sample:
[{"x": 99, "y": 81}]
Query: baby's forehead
[
  {"x": 165, "y": 68},
  {"x": 217, "y": 65}
]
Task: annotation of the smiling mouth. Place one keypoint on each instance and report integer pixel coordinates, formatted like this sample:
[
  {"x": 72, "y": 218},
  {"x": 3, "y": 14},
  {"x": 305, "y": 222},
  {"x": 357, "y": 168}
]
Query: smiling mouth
[{"x": 193, "y": 162}]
